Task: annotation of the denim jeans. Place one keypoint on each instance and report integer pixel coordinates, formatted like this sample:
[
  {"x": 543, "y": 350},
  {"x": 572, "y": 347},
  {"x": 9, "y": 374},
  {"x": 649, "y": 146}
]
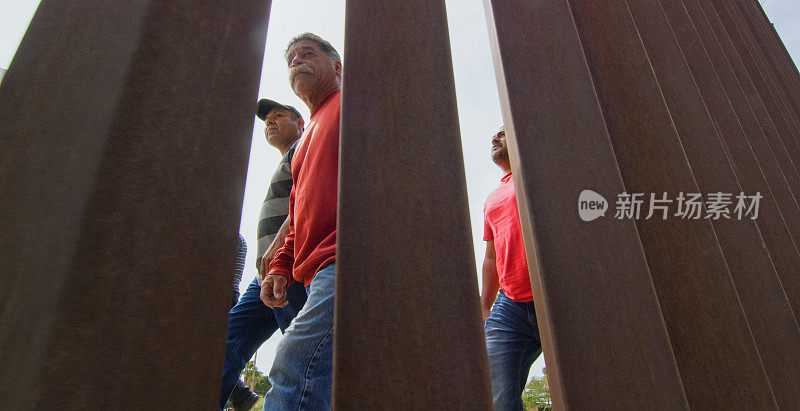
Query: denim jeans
[
  {"x": 513, "y": 344},
  {"x": 301, "y": 373},
  {"x": 251, "y": 323}
]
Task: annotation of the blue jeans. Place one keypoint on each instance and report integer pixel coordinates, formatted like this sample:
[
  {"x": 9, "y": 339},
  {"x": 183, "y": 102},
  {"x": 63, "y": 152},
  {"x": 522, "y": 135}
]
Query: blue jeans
[
  {"x": 513, "y": 344},
  {"x": 301, "y": 373},
  {"x": 251, "y": 323}
]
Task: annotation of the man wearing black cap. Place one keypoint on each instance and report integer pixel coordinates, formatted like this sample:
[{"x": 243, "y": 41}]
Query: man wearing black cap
[{"x": 251, "y": 322}]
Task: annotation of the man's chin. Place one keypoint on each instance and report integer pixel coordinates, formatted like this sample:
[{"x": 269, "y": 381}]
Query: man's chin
[
  {"x": 301, "y": 88},
  {"x": 500, "y": 157},
  {"x": 299, "y": 93}
]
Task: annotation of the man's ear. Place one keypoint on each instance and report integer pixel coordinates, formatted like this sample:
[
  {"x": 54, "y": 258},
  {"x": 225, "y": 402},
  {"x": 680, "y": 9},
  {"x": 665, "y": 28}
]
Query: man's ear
[
  {"x": 301, "y": 124},
  {"x": 337, "y": 67}
]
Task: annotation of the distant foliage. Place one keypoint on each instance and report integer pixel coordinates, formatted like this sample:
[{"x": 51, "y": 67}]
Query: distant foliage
[
  {"x": 537, "y": 393},
  {"x": 262, "y": 386},
  {"x": 257, "y": 381},
  {"x": 249, "y": 371}
]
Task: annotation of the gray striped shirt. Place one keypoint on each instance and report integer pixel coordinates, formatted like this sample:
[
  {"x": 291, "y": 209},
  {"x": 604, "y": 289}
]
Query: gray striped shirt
[
  {"x": 241, "y": 252},
  {"x": 276, "y": 205}
]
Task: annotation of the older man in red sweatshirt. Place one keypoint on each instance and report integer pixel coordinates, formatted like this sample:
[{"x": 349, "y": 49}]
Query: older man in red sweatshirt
[{"x": 302, "y": 371}]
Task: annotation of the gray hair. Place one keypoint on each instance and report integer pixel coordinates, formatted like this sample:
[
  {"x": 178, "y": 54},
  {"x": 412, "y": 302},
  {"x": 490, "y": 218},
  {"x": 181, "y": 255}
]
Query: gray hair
[{"x": 323, "y": 44}]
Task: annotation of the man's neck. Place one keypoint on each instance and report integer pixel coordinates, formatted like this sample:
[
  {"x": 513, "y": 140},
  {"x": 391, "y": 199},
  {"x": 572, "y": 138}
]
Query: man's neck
[
  {"x": 285, "y": 148},
  {"x": 314, "y": 100}
]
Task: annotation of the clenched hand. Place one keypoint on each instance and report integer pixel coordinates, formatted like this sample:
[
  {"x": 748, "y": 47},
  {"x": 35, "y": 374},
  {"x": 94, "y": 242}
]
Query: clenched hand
[{"x": 273, "y": 291}]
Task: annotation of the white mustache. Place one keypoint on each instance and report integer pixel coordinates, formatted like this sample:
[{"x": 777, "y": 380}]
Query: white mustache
[{"x": 302, "y": 68}]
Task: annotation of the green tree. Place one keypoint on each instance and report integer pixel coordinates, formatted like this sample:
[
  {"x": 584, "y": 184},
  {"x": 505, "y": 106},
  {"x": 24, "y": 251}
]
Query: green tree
[
  {"x": 536, "y": 394},
  {"x": 250, "y": 372},
  {"x": 262, "y": 386}
]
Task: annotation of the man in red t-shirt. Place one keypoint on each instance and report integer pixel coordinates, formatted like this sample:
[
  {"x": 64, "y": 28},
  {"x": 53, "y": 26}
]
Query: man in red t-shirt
[
  {"x": 512, "y": 334},
  {"x": 301, "y": 374}
]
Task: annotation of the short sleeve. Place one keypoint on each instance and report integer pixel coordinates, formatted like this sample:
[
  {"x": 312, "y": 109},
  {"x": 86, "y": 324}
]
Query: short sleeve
[{"x": 488, "y": 234}]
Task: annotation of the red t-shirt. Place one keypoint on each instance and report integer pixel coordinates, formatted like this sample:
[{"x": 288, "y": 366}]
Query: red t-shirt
[
  {"x": 311, "y": 242},
  {"x": 501, "y": 225}
]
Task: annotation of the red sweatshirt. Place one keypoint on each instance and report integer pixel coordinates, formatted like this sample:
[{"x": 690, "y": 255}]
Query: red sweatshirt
[{"x": 311, "y": 242}]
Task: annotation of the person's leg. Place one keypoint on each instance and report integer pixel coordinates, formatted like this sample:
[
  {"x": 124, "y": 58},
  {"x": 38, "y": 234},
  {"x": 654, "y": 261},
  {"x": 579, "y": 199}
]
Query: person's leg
[
  {"x": 534, "y": 349},
  {"x": 249, "y": 325},
  {"x": 512, "y": 347},
  {"x": 296, "y": 296},
  {"x": 301, "y": 372}
]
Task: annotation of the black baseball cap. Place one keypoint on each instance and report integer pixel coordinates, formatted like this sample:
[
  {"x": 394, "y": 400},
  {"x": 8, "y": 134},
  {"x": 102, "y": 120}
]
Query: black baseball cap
[{"x": 265, "y": 106}]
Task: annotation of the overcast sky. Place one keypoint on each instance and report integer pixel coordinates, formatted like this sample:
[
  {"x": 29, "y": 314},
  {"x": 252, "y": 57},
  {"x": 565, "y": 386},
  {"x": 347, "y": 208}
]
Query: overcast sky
[{"x": 478, "y": 101}]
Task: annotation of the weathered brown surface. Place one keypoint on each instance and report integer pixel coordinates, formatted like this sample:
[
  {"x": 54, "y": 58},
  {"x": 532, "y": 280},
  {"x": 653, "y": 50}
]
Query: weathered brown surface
[
  {"x": 780, "y": 48},
  {"x": 772, "y": 47},
  {"x": 726, "y": 54},
  {"x": 733, "y": 21},
  {"x": 752, "y": 27},
  {"x": 408, "y": 325},
  {"x": 735, "y": 78},
  {"x": 757, "y": 35},
  {"x": 714, "y": 350},
  {"x": 125, "y": 129},
  {"x": 778, "y": 231},
  {"x": 718, "y": 13},
  {"x": 686, "y": 93},
  {"x": 602, "y": 331},
  {"x": 768, "y": 43}
]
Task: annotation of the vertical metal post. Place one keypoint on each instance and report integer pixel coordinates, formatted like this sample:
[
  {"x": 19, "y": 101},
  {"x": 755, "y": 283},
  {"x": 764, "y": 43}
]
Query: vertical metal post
[
  {"x": 716, "y": 10},
  {"x": 773, "y": 325},
  {"x": 771, "y": 51},
  {"x": 125, "y": 129},
  {"x": 602, "y": 330},
  {"x": 752, "y": 115},
  {"x": 770, "y": 28},
  {"x": 776, "y": 40},
  {"x": 759, "y": 52},
  {"x": 753, "y": 161},
  {"x": 719, "y": 366},
  {"x": 408, "y": 324}
]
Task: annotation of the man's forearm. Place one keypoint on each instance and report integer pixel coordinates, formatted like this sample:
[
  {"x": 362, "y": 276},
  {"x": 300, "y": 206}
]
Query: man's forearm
[
  {"x": 280, "y": 237},
  {"x": 490, "y": 284},
  {"x": 277, "y": 243},
  {"x": 284, "y": 258},
  {"x": 488, "y": 297}
]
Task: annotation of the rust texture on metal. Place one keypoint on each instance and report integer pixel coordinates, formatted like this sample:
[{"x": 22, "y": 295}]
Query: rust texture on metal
[
  {"x": 125, "y": 131},
  {"x": 770, "y": 77},
  {"x": 741, "y": 136},
  {"x": 750, "y": 12},
  {"x": 596, "y": 306},
  {"x": 776, "y": 40},
  {"x": 408, "y": 324},
  {"x": 750, "y": 112},
  {"x": 726, "y": 60},
  {"x": 125, "y": 135},
  {"x": 714, "y": 349},
  {"x": 718, "y": 13},
  {"x": 761, "y": 16},
  {"x": 757, "y": 37},
  {"x": 773, "y": 325},
  {"x": 754, "y": 163}
]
